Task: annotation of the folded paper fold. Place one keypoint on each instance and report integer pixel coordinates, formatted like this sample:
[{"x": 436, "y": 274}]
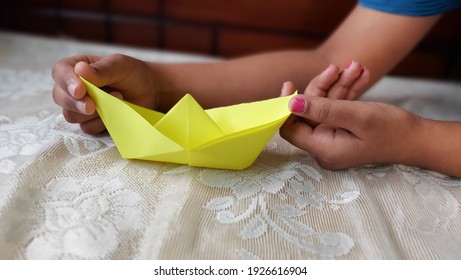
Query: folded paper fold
[{"x": 229, "y": 137}]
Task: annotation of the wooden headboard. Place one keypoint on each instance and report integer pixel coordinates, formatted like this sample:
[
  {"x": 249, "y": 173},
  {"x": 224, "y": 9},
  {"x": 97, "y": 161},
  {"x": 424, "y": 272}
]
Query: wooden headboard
[{"x": 221, "y": 28}]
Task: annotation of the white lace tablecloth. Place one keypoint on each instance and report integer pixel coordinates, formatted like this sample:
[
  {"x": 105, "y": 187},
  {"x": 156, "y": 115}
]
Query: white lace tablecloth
[{"x": 67, "y": 195}]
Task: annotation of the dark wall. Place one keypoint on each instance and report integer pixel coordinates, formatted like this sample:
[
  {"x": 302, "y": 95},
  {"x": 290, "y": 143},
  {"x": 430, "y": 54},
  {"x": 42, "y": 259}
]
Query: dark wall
[{"x": 220, "y": 27}]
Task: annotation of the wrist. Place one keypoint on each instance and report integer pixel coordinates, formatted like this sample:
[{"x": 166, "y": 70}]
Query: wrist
[
  {"x": 437, "y": 147},
  {"x": 411, "y": 140}
]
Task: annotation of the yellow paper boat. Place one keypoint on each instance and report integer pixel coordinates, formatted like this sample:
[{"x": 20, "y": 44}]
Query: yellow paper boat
[{"x": 229, "y": 137}]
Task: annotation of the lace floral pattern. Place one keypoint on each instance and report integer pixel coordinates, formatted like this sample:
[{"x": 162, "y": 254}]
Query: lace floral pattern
[
  {"x": 67, "y": 195},
  {"x": 81, "y": 219},
  {"x": 24, "y": 136},
  {"x": 290, "y": 187},
  {"x": 434, "y": 197},
  {"x": 12, "y": 90}
]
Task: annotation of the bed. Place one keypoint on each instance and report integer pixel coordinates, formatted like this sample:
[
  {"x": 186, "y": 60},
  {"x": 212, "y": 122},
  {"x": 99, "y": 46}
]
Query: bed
[{"x": 68, "y": 195}]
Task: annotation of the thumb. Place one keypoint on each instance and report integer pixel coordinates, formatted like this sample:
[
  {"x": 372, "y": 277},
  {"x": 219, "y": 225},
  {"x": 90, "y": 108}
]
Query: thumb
[
  {"x": 105, "y": 71},
  {"x": 338, "y": 113}
]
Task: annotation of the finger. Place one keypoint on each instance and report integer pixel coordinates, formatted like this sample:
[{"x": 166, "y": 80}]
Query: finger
[
  {"x": 65, "y": 78},
  {"x": 73, "y": 117},
  {"x": 337, "y": 113},
  {"x": 93, "y": 126},
  {"x": 288, "y": 88},
  {"x": 341, "y": 87},
  {"x": 117, "y": 94},
  {"x": 297, "y": 133},
  {"x": 322, "y": 82},
  {"x": 291, "y": 119},
  {"x": 106, "y": 71},
  {"x": 85, "y": 105},
  {"x": 305, "y": 137},
  {"x": 359, "y": 85}
]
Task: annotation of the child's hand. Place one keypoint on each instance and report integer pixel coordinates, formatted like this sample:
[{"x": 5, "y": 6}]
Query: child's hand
[
  {"x": 335, "y": 83},
  {"x": 122, "y": 76},
  {"x": 343, "y": 133},
  {"x": 352, "y": 133}
]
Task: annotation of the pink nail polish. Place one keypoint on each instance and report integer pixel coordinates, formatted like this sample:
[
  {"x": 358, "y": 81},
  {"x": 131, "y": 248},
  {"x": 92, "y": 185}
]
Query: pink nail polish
[
  {"x": 298, "y": 105},
  {"x": 348, "y": 64},
  {"x": 326, "y": 68}
]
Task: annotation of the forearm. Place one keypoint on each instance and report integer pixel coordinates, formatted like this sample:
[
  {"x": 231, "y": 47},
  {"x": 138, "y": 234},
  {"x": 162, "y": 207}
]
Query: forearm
[
  {"x": 439, "y": 145},
  {"x": 380, "y": 45},
  {"x": 237, "y": 80}
]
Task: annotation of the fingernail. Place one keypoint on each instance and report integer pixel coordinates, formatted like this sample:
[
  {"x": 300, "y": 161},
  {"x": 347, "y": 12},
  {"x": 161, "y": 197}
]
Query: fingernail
[
  {"x": 348, "y": 64},
  {"x": 297, "y": 105},
  {"x": 284, "y": 86},
  {"x": 81, "y": 107},
  {"x": 326, "y": 68},
  {"x": 71, "y": 89}
]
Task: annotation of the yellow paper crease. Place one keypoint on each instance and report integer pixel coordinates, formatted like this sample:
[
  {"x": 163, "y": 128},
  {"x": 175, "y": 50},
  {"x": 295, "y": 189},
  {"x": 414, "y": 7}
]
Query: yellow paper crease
[{"x": 229, "y": 137}]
